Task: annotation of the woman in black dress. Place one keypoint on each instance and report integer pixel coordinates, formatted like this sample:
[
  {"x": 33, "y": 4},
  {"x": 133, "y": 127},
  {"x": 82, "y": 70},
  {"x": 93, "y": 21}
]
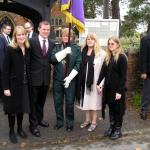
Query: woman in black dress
[
  {"x": 114, "y": 71},
  {"x": 16, "y": 82}
]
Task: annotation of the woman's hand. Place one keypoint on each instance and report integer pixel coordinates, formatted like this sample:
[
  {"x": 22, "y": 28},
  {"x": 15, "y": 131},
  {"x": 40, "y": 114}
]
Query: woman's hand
[
  {"x": 118, "y": 96},
  {"x": 7, "y": 92},
  {"x": 99, "y": 89}
]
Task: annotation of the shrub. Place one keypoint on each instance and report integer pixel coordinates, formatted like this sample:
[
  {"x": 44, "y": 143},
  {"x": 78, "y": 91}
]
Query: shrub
[
  {"x": 136, "y": 99},
  {"x": 130, "y": 44}
]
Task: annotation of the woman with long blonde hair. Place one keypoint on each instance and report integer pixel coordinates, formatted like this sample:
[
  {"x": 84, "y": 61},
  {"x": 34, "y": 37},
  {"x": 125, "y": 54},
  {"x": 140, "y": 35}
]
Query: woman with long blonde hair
[
  {"x": 90, "y": 100},
  {"x": 16, "y": 82},
  {"x": 114, "y": 71}
]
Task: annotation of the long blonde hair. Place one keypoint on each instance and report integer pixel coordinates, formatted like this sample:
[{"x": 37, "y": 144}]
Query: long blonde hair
[
  {"x": 117, "y": 51},
  {"x": 97, "y": 48},
  {"x": 14, "y": 43}
]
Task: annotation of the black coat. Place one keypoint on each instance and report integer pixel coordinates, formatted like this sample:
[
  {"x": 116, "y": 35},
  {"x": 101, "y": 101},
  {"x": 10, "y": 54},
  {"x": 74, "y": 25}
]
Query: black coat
[
  {"x": 3, "y": 45},
  {"x": 115, "y": 81},
  {"x": 40, "y": 65},
  {"x": 34, "y": 34},
  {"x": 13, "y": 77},
  {"x": 145, "y": 55}
]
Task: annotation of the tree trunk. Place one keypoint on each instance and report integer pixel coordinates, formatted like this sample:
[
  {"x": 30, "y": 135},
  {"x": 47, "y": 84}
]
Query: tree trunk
[
  {"x": 106, "y": 9},
  {"x": 148, "y": 28},
  {"x": 115, "y": 9}
]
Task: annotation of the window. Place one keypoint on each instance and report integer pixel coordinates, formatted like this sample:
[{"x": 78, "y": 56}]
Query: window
[{"x": 56, "y": 21}]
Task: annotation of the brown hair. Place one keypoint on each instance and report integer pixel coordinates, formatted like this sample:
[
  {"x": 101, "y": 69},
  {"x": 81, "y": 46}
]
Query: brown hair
[{"x": 43, "y": 23}]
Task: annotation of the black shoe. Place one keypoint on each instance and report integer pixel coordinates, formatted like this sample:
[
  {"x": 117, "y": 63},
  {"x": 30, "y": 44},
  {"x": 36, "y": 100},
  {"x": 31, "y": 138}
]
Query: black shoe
[
  {"x": 22, "y": 134},
  {"x": 143, "y": 115},
  {"x": 43, "y": 123},
  {"x": 116, "y": 134},
  {"x": 57, "y": 127},
  {"x": 69, "y": 129},
  {"x": 35, "y": 132},
  {"x": 13, "y": 138},
  {"x": 109, "y": 131}
]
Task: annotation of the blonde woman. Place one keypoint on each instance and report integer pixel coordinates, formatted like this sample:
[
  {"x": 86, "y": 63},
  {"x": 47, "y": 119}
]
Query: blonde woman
[
  {"x": 90, "y": 100},
  {"x": 16, "y": 82},
  {"x": 114, "y": 71}
]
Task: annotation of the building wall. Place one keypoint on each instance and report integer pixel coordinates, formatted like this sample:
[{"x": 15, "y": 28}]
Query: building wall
[
  {"x": 57, "y": 20},
  {"x": 15, "y": 19}
]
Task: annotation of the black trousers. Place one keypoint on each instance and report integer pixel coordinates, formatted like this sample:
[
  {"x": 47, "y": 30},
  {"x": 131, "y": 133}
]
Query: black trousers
[
  {"x": 145, "y": 102},
  {"x": 39, "y": 94},
  {"x": 1, "y": 89},
  {"x": 116, "y": 113},
  {"x": 12, "y": 118}
]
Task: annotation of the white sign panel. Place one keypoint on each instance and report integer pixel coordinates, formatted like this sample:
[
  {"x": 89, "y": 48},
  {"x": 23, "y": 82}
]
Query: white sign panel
[{"x": 103, "y": 28}]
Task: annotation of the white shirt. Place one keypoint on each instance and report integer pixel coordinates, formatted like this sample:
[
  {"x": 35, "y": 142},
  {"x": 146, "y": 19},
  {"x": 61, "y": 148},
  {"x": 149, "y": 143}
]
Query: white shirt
[
  {"x": 7, "y": 38},
  {"x": 41, "y": 42},
  {"x": 30, "y": 34}
]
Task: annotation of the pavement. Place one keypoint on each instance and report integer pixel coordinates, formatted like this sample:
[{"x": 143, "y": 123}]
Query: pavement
[{"x": 136, "y": 133}]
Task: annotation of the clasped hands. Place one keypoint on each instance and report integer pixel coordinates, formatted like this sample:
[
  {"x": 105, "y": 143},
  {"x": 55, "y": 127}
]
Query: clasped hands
[{"x": 100, "y": 90}]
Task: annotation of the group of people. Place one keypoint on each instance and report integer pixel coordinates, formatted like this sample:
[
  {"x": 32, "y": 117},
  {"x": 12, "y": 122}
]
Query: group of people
[{"x": 92, "y": 76}]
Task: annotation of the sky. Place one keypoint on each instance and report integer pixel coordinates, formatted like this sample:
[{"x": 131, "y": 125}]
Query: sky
[{"x": 123, "y": 10}]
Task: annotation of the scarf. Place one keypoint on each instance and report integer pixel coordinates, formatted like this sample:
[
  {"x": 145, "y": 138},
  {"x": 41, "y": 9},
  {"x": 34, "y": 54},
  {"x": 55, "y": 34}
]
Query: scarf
[{"x": 90, "y": 71}]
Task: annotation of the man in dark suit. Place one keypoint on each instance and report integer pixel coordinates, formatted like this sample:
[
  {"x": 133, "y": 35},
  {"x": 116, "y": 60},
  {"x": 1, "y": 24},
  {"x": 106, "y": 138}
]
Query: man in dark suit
[
  {"x": 41, "y": 48},
  {"x": 30, "y": 30},
  {"x": 145, "y": 75},
  {"x": 4, "y": 41}
]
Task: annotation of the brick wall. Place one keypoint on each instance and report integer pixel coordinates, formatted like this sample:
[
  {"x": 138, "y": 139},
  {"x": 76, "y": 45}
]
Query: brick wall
[
  {"x": 133, "y": 73},
  {"x": 15, "y": 19}
]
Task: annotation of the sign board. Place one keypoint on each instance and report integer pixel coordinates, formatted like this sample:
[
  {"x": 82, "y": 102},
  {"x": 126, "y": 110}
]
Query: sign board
[{"x": 103, "y": 28}]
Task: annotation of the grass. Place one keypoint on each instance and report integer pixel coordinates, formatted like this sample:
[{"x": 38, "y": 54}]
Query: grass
[{"x": 136, "y": 99}]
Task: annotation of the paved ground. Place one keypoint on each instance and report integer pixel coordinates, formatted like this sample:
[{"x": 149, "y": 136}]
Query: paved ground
[{"x": 135, "y": 134}]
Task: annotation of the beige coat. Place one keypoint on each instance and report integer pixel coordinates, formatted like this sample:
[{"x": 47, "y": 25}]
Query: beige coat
[{"x": 93, "y": 100}]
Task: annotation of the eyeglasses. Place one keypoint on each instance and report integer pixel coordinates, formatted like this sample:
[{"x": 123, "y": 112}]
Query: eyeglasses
[{"x": 111, "y": 44}]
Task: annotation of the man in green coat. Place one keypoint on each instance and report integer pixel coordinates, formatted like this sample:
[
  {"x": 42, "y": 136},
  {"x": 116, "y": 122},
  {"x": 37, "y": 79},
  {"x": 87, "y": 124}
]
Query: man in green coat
[{"x": 66, "y": 59}]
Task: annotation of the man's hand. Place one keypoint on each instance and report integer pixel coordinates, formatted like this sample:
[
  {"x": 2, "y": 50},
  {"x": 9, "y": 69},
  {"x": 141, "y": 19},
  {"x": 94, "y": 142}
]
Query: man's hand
[
  {"x": 7, "y": 92},
  {"x": 143, "y": 76}
]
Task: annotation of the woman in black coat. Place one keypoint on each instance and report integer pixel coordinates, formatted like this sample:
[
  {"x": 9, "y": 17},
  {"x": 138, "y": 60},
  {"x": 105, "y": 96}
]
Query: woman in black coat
[
  {"x": 16, "y": 81},
  {"x": 114, "y": 71}
]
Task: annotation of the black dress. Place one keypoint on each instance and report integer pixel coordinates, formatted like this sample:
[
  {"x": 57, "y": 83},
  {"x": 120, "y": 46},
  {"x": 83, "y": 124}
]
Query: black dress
[{"x": 25, "y": 94}]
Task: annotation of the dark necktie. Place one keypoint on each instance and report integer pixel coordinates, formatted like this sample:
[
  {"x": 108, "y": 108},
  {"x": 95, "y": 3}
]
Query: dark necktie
[
  {"x": 44, "y": 48},
  {"x": 8, "y": 41},
  {"x": 28, "y": 35},
  {"x": 65, "y": 65}
]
